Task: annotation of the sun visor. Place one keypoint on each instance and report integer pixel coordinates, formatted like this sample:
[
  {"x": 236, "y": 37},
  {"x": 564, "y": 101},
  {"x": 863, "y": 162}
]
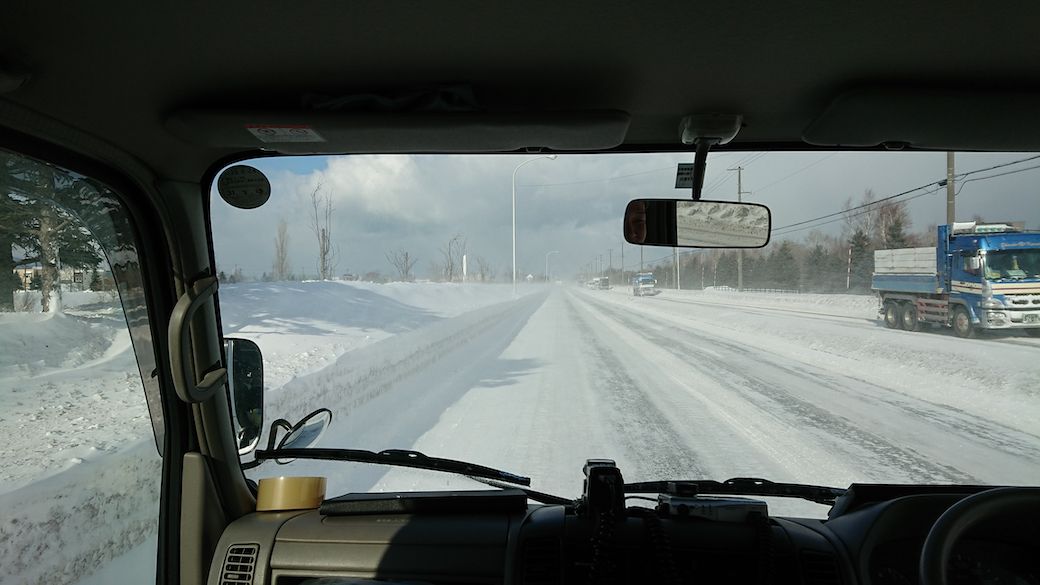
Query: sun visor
[
  {"x": 931, "y": 119},
  {"x": 331, "y": 132}
]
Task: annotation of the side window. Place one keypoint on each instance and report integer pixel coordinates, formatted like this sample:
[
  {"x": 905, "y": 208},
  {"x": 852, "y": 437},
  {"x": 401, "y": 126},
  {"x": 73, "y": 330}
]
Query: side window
[
  {"x": 970, "y": 264},
  {"x": 79, "y": 468}
]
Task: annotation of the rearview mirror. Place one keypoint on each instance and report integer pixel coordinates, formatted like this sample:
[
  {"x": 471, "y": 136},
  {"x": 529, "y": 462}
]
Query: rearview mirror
[
  {"x": 681, "y": 223},
  {"x": 246, "y": 381}
]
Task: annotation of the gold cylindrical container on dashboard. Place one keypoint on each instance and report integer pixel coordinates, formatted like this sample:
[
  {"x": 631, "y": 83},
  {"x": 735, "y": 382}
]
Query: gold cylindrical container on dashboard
[{"x": 276, "y": 494}]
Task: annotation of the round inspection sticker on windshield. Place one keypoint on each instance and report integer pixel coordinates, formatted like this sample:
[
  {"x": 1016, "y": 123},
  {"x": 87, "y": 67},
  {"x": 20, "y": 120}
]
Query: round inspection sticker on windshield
[{"x": 244, "y": 187}]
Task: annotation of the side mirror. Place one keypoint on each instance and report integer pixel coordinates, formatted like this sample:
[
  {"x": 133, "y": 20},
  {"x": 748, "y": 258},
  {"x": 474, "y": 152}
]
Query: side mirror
[
  {"x": 245, "y": 366},
  {"x": 974, "y": 263},
  {"x": 682, "y": 223},
  {"x": 301, "y": 435}
]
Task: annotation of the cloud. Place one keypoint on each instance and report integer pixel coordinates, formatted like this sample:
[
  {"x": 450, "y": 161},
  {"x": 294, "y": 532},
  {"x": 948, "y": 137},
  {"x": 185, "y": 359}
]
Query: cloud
[{"x": 572, "y": 204}]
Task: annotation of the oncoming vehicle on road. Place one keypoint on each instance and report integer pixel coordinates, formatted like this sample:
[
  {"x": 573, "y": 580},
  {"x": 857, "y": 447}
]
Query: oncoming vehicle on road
[{"x": 644, "y": 284}]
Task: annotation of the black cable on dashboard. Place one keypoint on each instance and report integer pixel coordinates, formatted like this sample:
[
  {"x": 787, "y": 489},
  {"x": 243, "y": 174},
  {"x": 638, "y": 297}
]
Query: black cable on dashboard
[
  {"x": 602, "y": 549},
  {"x": 660, "y": 542},
  {"x": 765, "y": 550}
]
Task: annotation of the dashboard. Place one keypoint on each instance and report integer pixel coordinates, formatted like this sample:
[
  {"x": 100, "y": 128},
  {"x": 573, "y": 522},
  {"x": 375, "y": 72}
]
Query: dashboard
[{"x": 498, "y": 537}]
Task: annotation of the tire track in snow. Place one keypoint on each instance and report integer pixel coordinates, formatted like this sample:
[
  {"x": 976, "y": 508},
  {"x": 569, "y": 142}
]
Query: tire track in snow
[
  {"x": 771, "y": 396},
  {"x": 643, "y": 429}
]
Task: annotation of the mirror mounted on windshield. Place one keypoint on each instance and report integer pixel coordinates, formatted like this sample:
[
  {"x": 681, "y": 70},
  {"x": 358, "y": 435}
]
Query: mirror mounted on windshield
[
  {"x": 307, "y": 432},
  {"x": 245, "y": 365},
  {"x": 679, "y": 223},
  {"x": 303, "y": 434}
]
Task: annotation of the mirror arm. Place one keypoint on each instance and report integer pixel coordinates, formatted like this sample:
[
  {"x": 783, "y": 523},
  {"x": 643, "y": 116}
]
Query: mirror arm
[
  {"x": 700, "y": 164},
  {"x": 272, "y": 435}
]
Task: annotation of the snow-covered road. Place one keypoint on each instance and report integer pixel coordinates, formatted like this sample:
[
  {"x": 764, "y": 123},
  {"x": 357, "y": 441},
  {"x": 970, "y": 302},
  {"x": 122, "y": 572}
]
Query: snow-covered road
[
  {"x": 690, "y": 386},
  {"x": 686, "y": 384}
]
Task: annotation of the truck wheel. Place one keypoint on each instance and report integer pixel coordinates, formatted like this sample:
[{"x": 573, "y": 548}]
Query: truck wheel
[
  {"x": 909, "y": 318},
  {"x": 962, "y": 325},
  {"x": 892, "y": 315}
]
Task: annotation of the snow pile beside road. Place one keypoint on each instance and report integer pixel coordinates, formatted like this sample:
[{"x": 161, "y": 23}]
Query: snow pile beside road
[
  {"x": 303, "y": 327},
  {"x": 846, "y": 305},
  {"x": 72, "y": 378}
]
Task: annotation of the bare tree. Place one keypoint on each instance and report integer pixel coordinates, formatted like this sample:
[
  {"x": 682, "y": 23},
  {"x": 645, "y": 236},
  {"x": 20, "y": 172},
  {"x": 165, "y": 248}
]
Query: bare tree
[
  {"x": 402, "y": 263},
  {"x": 863, "y": 218},
  {"x": 321, "y": 225},
  {"x": 281, "y": 252},
  {"x": 485, "y": 271},
  {"x": 452, "y": 254}
]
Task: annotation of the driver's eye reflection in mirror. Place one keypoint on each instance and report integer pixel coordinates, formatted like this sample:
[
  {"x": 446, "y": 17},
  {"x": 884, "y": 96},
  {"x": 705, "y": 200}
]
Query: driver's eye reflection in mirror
[
  {"x": 635, "y": 222},
  {"x": 651, "y": 222}
]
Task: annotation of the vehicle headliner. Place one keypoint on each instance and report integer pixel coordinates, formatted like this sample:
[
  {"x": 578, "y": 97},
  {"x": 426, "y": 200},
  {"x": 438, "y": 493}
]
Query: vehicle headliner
[{"x": 120, "y": 72}]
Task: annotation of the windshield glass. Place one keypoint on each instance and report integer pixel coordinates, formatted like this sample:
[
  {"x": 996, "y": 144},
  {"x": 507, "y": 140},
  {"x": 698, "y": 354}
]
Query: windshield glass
[
  {"x": 394, "y": 291},
  {"x": 1013, "y": 264}
]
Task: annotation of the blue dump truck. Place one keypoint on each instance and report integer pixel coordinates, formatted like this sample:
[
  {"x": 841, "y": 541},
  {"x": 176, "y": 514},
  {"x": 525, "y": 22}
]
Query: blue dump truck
[{"x": 978, "y": 277}]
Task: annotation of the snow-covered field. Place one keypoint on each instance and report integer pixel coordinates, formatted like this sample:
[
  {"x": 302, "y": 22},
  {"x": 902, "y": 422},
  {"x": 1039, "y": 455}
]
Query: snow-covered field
[{"x": 805, "y": 388}]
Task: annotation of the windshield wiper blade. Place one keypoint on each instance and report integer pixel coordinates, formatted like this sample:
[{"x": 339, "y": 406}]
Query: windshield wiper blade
[
  {"x": 738, "y": 486},
  {"x": 397, "y": 458},
  {"x": 540, "y": 497}
]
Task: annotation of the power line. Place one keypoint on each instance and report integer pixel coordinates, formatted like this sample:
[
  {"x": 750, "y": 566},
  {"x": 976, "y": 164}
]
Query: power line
[
  {"x": 805, "y": 168},
  {"x": 778, "y": 231},
  {"x": 1000, "y": 166},
  {"x": 846, "y": 211},
  {"x": 994, "y": 176},
  {"x": 861, "y": 212}
]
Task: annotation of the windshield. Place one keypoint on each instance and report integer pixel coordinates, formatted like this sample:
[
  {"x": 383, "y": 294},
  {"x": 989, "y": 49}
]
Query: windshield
[
  {"x": 394, "y": 291},
  {"x": 1013, "y": 264}
]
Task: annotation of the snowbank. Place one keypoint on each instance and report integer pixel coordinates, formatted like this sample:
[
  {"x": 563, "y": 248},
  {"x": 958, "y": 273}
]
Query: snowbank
[
  {"x": 844, "y": 305},
  {"x": 72, "y": 378},
  {"x": 303, "y": 327}
]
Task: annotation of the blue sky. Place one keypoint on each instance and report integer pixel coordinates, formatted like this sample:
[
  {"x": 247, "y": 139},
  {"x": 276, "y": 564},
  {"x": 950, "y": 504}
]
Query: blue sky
[{"x": 574, "y": 204}]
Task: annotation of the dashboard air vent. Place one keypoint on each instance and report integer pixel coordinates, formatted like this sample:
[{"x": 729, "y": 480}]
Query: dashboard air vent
[
  {"x": 541, "y": 564},
  {"x": 820, "y": 568},
  {"x": 239, "y": 564}
]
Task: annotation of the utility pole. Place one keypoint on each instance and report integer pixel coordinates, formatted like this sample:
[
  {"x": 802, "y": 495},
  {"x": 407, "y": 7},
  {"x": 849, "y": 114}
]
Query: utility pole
[
  {"x": 675, "y": 258},
  {"x": 848, "y": 275},
  {"x": 640, "y": 258},
  {"x": 599, "y": 264},
  {"x": 740, "y": 251},
  {"x": 622, "y": 259},
  {"x": 950, "y": 193},
  {"x": 610, "y": 259}
]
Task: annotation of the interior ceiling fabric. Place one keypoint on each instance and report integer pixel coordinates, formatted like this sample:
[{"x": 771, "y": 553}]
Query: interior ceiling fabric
[{"x": 119, "y": 71}]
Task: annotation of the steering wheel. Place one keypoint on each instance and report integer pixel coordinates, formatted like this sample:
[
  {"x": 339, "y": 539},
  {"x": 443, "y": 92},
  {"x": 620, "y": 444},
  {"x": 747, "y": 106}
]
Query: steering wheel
[{"x": 966, "y": 513}]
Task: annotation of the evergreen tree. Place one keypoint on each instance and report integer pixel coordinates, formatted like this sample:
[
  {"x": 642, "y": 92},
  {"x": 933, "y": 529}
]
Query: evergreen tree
[
  {"x": 35, "y": 222},
  {"x": 895, "y": 233},
  {"x": 862, "y": 261},
  {"x": 726, "y": 270},
  {"x": 823, "y": 271},
  {"x": 783, "y": 268}
]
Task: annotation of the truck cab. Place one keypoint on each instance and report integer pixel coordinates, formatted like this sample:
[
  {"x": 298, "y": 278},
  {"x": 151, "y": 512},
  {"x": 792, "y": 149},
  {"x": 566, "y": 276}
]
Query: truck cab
[
  {"x": 644, "y": 284},
  {"x": 994, "y": 272}
]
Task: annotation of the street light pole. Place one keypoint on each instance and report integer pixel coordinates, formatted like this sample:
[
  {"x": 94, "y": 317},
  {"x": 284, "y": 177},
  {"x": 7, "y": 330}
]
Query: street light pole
[
  {"x": 547, "y": 254},
  {"x": 550, "y": 157}
]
